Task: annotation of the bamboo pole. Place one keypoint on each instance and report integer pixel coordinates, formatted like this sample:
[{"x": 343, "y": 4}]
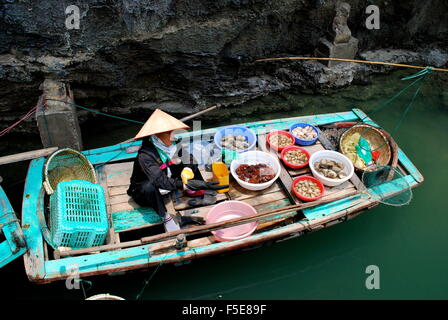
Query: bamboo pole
[
  {"x": 197, "y": 114},
  {"x": 351, "y": 60},
  {"x": 27, "y": 155}
]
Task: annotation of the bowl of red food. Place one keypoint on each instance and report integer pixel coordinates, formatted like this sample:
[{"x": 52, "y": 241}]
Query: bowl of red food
[
  {"x": 255, "y": 170},
  {"x": 279, "y": 140},
  {"x": 295, "y": 157},
  {"x": 308, "y": 188}
]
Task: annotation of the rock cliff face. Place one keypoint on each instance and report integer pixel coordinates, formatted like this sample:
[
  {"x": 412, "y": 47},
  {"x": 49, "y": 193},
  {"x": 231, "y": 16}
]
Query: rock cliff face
[{"x": 183, "y": 55}]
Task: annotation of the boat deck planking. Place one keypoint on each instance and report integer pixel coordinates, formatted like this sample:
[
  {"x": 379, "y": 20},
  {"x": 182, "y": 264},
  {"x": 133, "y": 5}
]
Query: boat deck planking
[{"x": 126, "y": 215}]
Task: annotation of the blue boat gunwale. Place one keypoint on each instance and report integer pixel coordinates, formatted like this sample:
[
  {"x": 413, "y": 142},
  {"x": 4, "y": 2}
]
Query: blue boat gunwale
[
  {"x": 40, "y": 269},
  {"x": 13, "y": 245}
]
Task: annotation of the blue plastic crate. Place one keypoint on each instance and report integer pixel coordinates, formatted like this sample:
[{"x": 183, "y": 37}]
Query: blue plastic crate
[{"x": 78, "y": 215}]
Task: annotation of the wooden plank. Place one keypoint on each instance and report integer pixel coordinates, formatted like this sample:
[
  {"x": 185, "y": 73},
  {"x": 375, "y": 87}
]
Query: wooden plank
[
  {"x": 263, "y": 202},
  {"x": 121, "y": 198},
  {"x": 117, "y": 190},
  {"x": 27, "y": 155},
  {"x": 118, "y": 174},
  {"x": 135, "y": 219},
  {"x": 284, "y": 177},
  {"x": 182, "y": 202},
  {"x": 409, "y": 166},
  {"x": 201, "y": 242},
  {"x": 124, "y": 206},
  {"x": 237, "y": 192},
  {"x": 138, "y": 217},
  {"x": 266, "y": 198},
  {"x": 102, "y": 181},
  {"x": 34, "y": 257}
]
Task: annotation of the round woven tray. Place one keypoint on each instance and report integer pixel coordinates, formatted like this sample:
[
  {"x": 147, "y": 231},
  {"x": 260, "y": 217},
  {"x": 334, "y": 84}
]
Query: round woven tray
[
  {"x": 65, "y": 165},
  {"x": 375, "y": 138}
]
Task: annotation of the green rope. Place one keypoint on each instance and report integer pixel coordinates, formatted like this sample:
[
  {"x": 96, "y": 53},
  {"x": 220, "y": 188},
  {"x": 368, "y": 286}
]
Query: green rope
[
  {"x": 148, "y": 280},
  {"x": 420, "y": 77},
  {"x": 98, "y": 112},
  {"x": 387, "y": 102},
  {"x": 81, "y": 281}
]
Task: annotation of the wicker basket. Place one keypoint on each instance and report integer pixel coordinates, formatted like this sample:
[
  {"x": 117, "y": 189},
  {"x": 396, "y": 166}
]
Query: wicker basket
[
  {"x": 66, "y": 165},
  {"x": 375, "y": 138}
]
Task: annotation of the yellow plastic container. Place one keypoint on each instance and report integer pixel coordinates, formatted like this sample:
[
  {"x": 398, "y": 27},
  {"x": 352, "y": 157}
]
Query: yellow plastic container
[
  {"x": 221, "y": 174},
  {"x": 186, "y": 174}
]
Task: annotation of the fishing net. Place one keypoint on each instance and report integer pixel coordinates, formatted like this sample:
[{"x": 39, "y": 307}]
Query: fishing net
[{"x": 387, "y": 185}]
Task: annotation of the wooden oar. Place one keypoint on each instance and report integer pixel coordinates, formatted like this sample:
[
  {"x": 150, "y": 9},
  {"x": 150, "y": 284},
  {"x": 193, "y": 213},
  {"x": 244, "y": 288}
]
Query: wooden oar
[
  {"x": 194, "y": 115},
  {"x": 198, "y": 229}
]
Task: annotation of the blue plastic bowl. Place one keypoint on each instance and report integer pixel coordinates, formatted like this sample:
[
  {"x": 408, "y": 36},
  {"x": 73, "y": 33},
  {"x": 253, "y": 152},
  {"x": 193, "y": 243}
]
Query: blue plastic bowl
[
  {"x": 300, "y": 141},
  {"x": 250, "y": 135}
]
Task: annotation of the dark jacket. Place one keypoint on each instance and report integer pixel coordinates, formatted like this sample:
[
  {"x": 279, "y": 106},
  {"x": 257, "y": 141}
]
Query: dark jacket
[{"x": 147, "y": 168}]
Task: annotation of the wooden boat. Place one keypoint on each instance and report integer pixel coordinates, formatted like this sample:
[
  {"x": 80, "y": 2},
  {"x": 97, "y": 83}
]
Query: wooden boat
[{"x": 122, "y": 252}]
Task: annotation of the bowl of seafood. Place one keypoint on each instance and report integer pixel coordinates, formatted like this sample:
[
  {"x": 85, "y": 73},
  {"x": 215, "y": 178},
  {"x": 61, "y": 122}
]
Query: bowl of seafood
[
  {"x": 255, "y": 170},
  {"x": 279, "y": 140},
  {"x": 235, "y": 138},
  {"x": 308, "y": 188},
  {"x": 295, "y": 157},
  {"x": 304, "y": 134},
  {"x": 331, "y": 168}
]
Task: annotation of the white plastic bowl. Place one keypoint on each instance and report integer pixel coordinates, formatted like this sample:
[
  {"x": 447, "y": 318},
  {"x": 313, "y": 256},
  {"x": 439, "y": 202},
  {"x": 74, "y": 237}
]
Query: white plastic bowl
[
  {"x": 335, "y": 156},
  {"x": 255, "y": 157}
]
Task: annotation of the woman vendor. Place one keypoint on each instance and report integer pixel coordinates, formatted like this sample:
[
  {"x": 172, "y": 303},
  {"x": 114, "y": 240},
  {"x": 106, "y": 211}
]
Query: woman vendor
[{"x": 158, "y": 168}]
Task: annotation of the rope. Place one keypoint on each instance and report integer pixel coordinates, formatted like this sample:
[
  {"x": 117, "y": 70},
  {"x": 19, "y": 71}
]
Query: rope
[
  {"x": 350, "y": 60},
  {"x": 148, "y": 280},
  {"x": 420, "y": 77},
  {"x": 98, "y": 112},
  {"x": 81, "y": 281},
  {"x": 23, "y": 118}
]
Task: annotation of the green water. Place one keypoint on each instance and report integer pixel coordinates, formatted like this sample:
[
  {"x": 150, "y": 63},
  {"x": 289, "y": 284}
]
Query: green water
[{"x": 408, "y": 244}]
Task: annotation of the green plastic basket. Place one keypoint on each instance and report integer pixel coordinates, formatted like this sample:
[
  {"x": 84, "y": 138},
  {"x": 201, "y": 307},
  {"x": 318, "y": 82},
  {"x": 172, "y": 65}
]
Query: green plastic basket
[{"x": 78, "y": 215}]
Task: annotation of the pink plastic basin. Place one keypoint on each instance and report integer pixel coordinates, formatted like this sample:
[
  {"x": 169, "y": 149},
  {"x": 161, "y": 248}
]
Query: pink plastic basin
[{"x": 228, "y": 210}]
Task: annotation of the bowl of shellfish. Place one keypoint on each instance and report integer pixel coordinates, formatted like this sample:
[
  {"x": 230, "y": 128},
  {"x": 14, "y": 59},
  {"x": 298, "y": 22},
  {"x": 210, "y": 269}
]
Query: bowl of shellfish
[
  {"x": 235, "y": 138},
  {"x": 304, "y": 134},
  {"x": 308, "y": 188},
  {"x": 279, "y": 140},
  {"x": 331, "y": 168},
  {"x": 295, "y": 157}
]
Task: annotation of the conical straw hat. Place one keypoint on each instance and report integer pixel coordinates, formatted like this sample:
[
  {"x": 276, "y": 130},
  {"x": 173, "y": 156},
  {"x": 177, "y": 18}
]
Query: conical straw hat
[{"x": 160, "y": 122}]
